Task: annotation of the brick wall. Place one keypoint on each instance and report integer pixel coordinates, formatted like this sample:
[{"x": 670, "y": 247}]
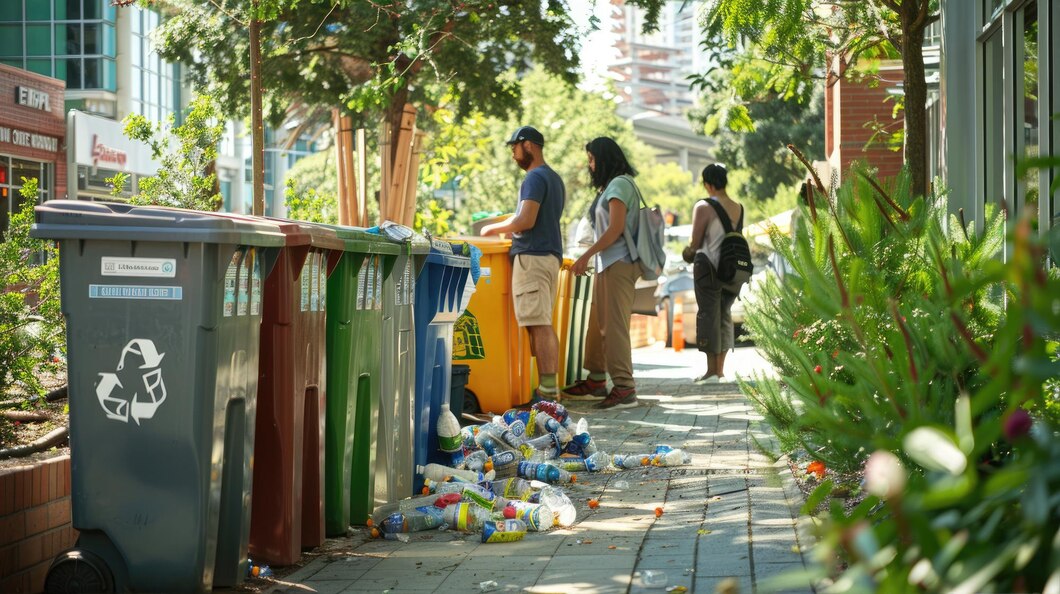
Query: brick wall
[
  {"x": 36, "y": 121},
  {"x": 848, "y": 107},
  {"x": 34, "y": 522}
]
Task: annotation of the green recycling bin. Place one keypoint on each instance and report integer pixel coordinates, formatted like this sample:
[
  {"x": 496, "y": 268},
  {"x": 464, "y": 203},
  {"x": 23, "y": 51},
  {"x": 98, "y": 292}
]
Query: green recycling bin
[
  {"x": 163, "y": 310},
  {"x": 354, "y": 375},
  {"x": 395, "y": 467}
]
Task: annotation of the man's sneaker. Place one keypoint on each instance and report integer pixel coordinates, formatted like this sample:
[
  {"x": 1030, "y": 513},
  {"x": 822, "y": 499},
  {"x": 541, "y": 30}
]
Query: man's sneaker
[
  {"x": 708, "y": 379},
  {"x": 620, "y": 398},
  {"x": 585, "y": 390}
]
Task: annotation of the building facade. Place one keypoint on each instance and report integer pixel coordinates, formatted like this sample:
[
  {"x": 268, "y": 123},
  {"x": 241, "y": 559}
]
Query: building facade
[
  {"x": 32, "y": 137},
  {"x": 1000, "y": 104}
]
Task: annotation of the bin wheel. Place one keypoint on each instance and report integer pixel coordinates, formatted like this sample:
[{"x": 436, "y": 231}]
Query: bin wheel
[
  {"x": 75, "y": 571},
  {"x": 471, "y": 405}
]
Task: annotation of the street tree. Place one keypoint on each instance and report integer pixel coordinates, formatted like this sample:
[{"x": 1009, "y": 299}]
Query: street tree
[
  {"x": 797, "y": 39},
  {"x": 371, "y": 58}
]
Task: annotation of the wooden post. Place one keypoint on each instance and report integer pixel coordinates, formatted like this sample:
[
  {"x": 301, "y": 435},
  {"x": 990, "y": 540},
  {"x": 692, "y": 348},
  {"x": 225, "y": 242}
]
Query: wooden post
[
  {"x": 352, "y": 207},
  {"x": 257, "y": 129},
  {"x": 385, "y": 167},
  {"x": 340, "y": 166},
  {"x": 408, "y": 217},
  {"x": 362, "y": 178},
  {"x": 402, "y": 157}
]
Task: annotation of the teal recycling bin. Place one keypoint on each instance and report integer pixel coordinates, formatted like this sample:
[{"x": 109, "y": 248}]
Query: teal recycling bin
[
  {"x": 163, "y": 310},
  {"x": 395, "y": 467},
  {"x": 354, "y": 360}
]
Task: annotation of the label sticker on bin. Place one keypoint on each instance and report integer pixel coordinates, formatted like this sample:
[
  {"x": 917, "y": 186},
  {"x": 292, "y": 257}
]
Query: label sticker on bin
[
  {"x": 243, "y": 289},
  {"x": 314, "y": 283},
  {"x": 139, "y": 267},
  {"x": 230, "y": 286},
  {"x": 135, "y": 292},
  {"x": 304, "y": 280}
]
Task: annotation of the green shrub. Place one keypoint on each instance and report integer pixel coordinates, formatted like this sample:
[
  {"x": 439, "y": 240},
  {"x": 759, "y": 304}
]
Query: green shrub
[
  {"x": 901, "y": 334},
  {"x": 32, "y": 334}
]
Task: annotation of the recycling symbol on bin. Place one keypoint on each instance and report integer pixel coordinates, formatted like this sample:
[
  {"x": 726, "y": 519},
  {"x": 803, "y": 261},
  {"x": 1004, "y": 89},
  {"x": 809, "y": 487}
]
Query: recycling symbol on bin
[{"x": 121, "y": 407}]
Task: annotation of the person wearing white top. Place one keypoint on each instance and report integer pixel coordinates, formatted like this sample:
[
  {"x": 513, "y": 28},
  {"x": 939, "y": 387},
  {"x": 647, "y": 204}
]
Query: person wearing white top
[{"x": 714, "y": 329}]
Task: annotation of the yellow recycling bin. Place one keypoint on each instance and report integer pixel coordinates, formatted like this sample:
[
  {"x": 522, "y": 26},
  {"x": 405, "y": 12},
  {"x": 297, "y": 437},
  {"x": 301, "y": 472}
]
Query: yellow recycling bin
[{"x": 562, "y": 312}]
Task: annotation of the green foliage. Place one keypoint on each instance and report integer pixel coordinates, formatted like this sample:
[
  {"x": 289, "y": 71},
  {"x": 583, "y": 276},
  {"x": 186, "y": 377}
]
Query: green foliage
[
  {"x": 186, "y": 155},
  {"x": 903, "y": 332},
  {"x": 310, "y": 205},
  {"x": 433, "y": 221},
  {"x": 568, "y": 117},
  {"x": 32, "y": 332}
]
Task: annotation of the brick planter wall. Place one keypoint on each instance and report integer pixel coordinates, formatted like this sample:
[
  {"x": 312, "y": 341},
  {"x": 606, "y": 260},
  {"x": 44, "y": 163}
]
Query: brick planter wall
[{"x": 34, "y": 522}]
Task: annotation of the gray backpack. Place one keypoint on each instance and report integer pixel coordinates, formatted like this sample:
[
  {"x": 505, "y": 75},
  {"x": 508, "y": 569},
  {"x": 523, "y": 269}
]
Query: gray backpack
[{"x": 647, "y": 246}]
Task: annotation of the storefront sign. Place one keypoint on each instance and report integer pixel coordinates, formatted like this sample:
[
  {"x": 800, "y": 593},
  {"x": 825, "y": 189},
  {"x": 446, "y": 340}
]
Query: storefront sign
[
  {"x": 102, "y": 152},
  {"x": 33, "y": 98},
  {"x": 28, "y": 139}
]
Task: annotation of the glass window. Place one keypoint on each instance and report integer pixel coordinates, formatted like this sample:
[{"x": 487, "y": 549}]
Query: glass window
[
  {"x": 110, "y": 75},
  {"x": 110, "y": 11},
  {"x": 91, "y": 41},
  {"x": 109, "y": 44},
  {"x": 38, "y": 11},
  {"x": 135, "y": 50},
  {"x": 92, "y": 9},
  {"x": 60, "y": 70},
  {"x": 40, "y": 66},
  {"x": 1027, "y": 105},
  {"x": 92, "y": 74},
  {"x": 73, "y": 73},
  {"x": 990, "y": 8},
  {"x": 994, "y": 116},
  {"x": 73, "y": 10},
  {"x": 60, "y": 9},
  {"x": 136, "y": 80},
  {"x": 24, "y": 169},
  {"x": 38, "y": 40},
  {"x": 11, "y": 11},
  {"x": 11, "y": 40},
  {"x": 15, "y": 63},
  {"x": 72, "y": 37}
]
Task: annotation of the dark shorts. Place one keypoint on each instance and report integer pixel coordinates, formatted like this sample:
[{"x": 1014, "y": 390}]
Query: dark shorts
[{"x": 714, "y": 331}]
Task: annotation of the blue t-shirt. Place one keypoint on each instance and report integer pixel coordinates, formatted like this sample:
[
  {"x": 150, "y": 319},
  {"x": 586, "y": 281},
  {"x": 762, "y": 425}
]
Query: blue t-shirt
[{"x": 542, "y": 185}]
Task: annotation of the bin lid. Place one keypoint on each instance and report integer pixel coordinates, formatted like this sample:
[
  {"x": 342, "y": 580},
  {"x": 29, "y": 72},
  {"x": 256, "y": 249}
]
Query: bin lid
[
  {"x": 79, "y": 219},
  {"x": 488, "y": 245},
  {"x": 357, "y": 239},
  {"x": 305, "y": 233}
]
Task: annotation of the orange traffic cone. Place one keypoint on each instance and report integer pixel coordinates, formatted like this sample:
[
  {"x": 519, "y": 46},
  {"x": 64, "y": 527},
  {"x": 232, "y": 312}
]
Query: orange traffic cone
[{"x": 679, "y": 325}]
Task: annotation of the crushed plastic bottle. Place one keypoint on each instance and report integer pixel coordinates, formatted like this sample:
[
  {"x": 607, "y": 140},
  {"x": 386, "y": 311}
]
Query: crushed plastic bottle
[
  {"x": 653, "y": 578},
  {"x": 512, "y": 488},
  {"x": 417, "y": 520},
  {"x": 466, "y": 517},
  {"x": 620, "y": 485},
  {"x": 503, "y": 531},
  {"x": 259, "y": 571},
  {"x": 437, "y": 500},
  {"x": 673, "y": 457},
  {"x": 630, "y": 461},
  {"x": 556, "y": 500},
  {"x": 476, "y": 460},
  {"x": 536, "y": 516},
  {"x": 481, "y": 496},
  {"x": 594, "y": 463},
  {"x": 555, "y": 410},
  {"x": 545, "y": 422},
  {"x": 548, "y": 444},
  {"x": 487, "y": 586},
  {"x": 439, "y": 473}
]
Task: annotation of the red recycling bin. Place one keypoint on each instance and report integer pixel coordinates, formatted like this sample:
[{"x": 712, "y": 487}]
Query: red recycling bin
[{"x": 287, "y": 505}]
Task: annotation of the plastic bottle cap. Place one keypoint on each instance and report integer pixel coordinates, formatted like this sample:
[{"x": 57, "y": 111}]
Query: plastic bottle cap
[
  {"x": 376, "y": 533},
  {"x": 573, "y": 478},
  {"x": 368, "y": 522}
]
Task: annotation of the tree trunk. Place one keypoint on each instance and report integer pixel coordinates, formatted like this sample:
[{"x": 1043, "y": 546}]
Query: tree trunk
[{"x": 915, "y": 94}]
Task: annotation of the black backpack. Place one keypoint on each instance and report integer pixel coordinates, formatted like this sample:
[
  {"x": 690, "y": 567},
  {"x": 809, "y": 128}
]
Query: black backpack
[{"x": 734, "y": 256}]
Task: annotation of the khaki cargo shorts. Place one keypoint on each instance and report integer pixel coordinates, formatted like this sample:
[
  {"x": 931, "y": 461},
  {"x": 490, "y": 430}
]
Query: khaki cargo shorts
[{"x": 534, "y": 279}]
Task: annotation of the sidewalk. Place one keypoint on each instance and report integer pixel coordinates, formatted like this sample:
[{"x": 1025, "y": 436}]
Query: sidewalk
[{"x": 731, "y": 513}]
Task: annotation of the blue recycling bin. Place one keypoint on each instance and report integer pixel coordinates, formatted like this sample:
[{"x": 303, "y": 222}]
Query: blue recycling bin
[{"x": 439, "y": 289}]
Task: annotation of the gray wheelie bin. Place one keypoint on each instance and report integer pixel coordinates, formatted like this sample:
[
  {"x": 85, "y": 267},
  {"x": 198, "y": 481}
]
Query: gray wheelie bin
[{"x": 163, "y": 310}]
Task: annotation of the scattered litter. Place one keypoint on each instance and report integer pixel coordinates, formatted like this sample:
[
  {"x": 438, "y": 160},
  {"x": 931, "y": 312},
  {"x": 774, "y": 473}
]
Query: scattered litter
[
  {"x": 620, "y": 485},
  {"x": 677, "y": 589},
  {"x": 703, "y": 531},
  {"x": 594, "y": 503},
  {"x": 658, "y": 512},
  {"x": 487, "y": 586},
  {"x": 652, "y": 578},
  {"x": 612, "y": 547}
]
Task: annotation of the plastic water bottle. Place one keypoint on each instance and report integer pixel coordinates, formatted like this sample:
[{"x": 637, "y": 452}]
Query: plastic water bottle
[
  {"x": 513, "y": 488},
  {"x": 582, "y": 426},
  {"x": 514, "y": 433},
  {"x": 448, "y": 428},
  {"x": 663, "y": 448},
  {"x": 439, "y": 474},
  {"x": 556, "y": 500},
  {"x": 417, "y": 520},
  {"x": 548, "y": 443},
  {"x": 545, "y": 422},
  {"x": 630, "y": 461},
  {"x": 404, "y": 505},
  {"x": 536, "y": 516},
  {"x": 476, "y": 460},
  {"x": 504, "y": 463},
  {"x": 674, "y": 457},
  {"x": 511, "y": 415},
  {"x": 544, "y": 472},
  {"x": 467, "y": 434},
  {"x": 581, "y": 444},
  {"x": 594, "y": 463},
  {"x": 466, "y": 517},
  {"x": 555, "y": 410},
  {"x": 503, "y": 531},
  {"x": 481, "y": 496}
]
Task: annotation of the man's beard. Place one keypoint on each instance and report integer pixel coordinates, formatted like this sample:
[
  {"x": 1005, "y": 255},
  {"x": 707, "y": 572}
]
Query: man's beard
[{"x": 524, "y": 163}]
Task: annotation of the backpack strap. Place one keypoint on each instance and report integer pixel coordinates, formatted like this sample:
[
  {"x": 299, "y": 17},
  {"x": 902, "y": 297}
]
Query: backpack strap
[{"x": 723, "y": 216}]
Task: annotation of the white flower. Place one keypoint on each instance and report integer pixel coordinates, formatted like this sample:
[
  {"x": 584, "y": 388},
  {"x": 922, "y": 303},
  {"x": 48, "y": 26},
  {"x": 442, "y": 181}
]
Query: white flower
[{"x": 884, "y": 475}]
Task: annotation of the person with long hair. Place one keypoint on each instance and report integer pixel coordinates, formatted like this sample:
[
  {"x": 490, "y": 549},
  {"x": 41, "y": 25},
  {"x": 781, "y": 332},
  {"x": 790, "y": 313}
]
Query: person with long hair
[
  {"x": 714, "y": 329},
  {"x": 613, "y": 215}
]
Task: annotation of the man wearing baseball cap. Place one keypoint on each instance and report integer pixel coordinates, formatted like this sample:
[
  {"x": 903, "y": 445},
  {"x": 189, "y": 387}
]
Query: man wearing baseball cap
[{"x": 537, "y": 251}]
